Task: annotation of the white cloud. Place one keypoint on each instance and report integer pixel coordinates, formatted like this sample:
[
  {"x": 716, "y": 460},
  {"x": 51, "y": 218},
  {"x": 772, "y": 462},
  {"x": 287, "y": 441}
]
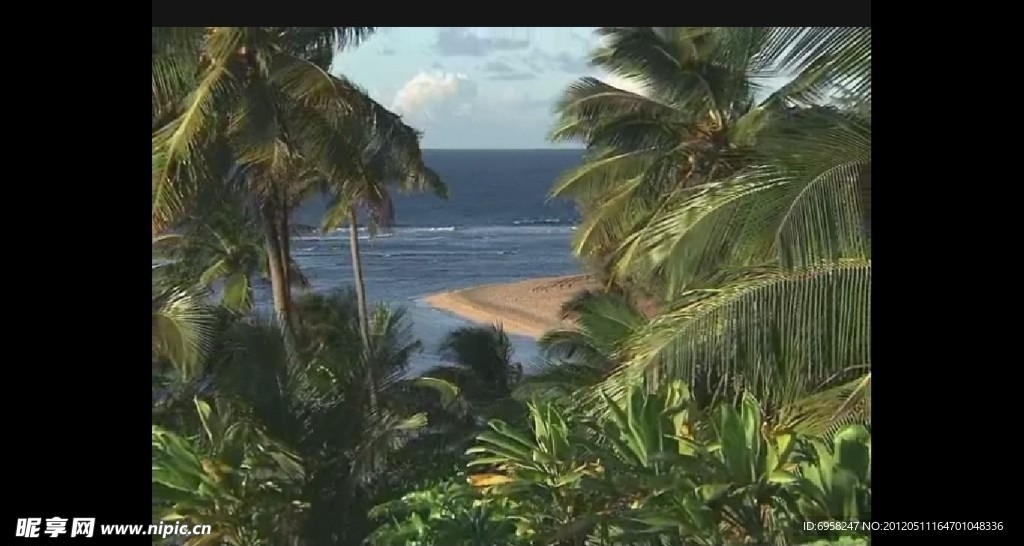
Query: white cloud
[{"x": 429, "y": 93}]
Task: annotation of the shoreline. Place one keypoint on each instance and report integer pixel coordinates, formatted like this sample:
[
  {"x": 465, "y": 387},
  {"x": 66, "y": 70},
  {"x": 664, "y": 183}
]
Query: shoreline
[{"x": 530, "y": 307}]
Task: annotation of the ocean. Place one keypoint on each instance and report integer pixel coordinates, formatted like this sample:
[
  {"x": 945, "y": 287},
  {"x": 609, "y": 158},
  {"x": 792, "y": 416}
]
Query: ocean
[{"x": 496, "y": 226}]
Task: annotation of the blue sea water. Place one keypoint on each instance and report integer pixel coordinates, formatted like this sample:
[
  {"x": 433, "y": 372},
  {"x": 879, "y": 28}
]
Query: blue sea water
[{"x": 497, "y": 226}]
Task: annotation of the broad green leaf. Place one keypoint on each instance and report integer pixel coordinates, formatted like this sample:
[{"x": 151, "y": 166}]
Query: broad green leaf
[
  {"x": 782, "y": 477},
  {"x": 512, "y": 434},
  {"x": 852, "y": 450},
  {"x": 513, "y": 448},
  {"x": 735, "y": 453}
]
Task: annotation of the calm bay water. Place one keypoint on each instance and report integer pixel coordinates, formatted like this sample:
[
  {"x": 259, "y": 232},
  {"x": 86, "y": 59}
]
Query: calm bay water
[{"x": 497, "y": 226}]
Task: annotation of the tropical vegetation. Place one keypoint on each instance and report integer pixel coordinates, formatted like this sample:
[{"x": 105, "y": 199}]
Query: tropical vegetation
[{"x": 715, "y": 391}]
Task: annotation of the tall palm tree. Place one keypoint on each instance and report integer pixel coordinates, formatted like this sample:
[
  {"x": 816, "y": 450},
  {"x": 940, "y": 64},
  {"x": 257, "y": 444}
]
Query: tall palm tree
[
  {"x": 391, "y": 159},
  {"x": 801, "y": 322},
  {"x": 388, "y": 155},
  {"x": 257, "y": 102},
  {"x": 693, "y": 121},
  {"x": 760, "y": 231}
]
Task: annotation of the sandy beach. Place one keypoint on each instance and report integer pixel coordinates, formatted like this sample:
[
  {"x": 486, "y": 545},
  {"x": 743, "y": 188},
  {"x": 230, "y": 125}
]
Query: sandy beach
[{"x": 529, "y": 308}]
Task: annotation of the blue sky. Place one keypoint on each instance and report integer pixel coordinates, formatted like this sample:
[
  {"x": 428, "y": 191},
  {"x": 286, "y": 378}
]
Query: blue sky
[
  {"x": 478, "y": 87},
  {"x": 472, "y": 87}
]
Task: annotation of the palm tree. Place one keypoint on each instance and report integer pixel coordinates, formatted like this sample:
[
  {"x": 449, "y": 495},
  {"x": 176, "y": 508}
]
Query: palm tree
[
  {"x": 312, "y": 403},
  {"x": 755, "y": 219},
  {"x": 221, "y": 243},
  {"x": 584, "y": 354},
  {"x": 219, "y": 85},
  {"x": 392, "y": 158},
  {"x": 259, "y": 103},
  {"x": 602, "y": 321},
  {"x": 481, "y": 366},
  {"x": 694, "y": 121}
]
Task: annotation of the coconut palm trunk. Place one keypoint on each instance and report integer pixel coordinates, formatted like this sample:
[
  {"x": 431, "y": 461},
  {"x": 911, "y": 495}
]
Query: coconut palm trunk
[
  {"x": 284, "y": 236},
  {"x": 364, "y": 320},
  {"x": 357, "y": 271},
  {"x": 277, "y": 266}
]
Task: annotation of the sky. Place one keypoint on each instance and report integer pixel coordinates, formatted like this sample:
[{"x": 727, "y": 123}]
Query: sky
[{"x": 466, "y": 87}]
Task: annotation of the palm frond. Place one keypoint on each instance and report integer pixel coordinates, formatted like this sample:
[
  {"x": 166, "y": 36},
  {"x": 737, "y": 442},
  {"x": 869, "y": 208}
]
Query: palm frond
[
  {"x": 319, "y": 45},
  {"x": 601, "y": 174},
  {"x": 311, "y": 86},
  {"x": 255, "y": 132},
  {"x": 838, "y": 57},
  {"x": 602, "y": 321},
  {"x": 778, "y": 333},
  {"x": 613, "y": 218},
  {"x": 698, "y": 69},
  {"x": 176, "y": 66},
  {"x": 179, "y": 146},
  {"x": 392, "y": 342},
  {"x": 697, "y": 230},
  {"x": 485, "y": 356},
  {"x": 448, "y": 390},
  {"x": 393, "y": 153},
  {"x": 589, "y": 104},
  {"x": 804, "y": 206},
  {"x": 826, "y": 411},
  {"x": 182, "y": 329}
]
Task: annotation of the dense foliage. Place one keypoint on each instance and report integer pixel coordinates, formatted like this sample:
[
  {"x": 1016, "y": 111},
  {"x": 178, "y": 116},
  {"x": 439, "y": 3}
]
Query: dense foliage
[{"x": 716, "y": 392}]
